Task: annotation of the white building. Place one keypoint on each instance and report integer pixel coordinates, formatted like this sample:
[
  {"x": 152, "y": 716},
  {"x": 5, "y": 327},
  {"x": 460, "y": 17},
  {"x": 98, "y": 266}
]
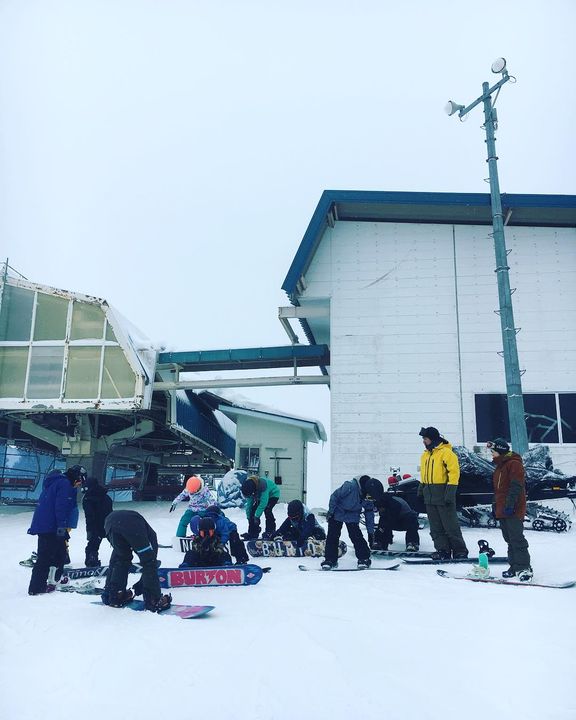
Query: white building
[{"x": 402, "y": 288}]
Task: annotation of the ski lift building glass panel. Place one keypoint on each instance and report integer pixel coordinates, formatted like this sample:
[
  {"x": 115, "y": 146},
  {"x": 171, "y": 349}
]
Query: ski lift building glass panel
[{"x": 69, "y": 349}]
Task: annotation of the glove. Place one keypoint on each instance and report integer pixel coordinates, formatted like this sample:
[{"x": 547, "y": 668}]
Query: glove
[
  {"x": 62, "y": 532},
  {"x": 509, "y": 511},
  {"x": 172, "y": 507}
]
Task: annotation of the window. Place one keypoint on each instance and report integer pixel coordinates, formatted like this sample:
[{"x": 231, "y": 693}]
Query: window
[
  {"x": 45, "y": 377},
  {"x": 543, "y": 421},
  {"x": 250, "y": 459},
  {"x": 118, "y": 380},
  {"x": 87, "y": 322},
  {"x": 83, "y": 373},
  {"x": 51, "y": 316},
  {"x": 13, "y": 361},
  {"x": 16, "y": 313}
]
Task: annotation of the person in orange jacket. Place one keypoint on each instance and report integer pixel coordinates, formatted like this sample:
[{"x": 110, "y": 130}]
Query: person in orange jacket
[{"x": 510, "y": 507}]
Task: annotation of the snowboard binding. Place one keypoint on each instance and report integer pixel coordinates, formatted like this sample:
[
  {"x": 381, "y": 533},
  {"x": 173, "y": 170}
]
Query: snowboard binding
[{"x": 483, "y": 547}]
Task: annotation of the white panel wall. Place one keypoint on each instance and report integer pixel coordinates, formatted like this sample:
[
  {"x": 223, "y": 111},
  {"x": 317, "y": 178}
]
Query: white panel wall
[
  {"x": 414, "y": 335},
  {"x": 257, "y": 432}
]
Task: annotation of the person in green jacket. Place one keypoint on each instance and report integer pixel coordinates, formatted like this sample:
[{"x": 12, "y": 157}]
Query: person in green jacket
[
  {"x": 261, "y": 495},
  {"x": 439, "y": 476}
]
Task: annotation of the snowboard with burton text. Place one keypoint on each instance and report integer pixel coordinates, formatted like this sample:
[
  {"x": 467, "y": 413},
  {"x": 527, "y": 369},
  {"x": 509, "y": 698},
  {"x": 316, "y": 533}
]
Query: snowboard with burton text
[{"x": 286, "y": 548}]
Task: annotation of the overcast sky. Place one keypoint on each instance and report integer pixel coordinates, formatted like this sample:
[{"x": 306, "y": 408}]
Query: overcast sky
[{"x": 167, "y": 155}]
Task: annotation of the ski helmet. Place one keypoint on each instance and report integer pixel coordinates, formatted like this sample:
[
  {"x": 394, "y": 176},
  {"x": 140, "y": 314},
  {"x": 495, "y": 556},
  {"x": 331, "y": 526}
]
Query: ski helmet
[{"x": 194, "y": 484}]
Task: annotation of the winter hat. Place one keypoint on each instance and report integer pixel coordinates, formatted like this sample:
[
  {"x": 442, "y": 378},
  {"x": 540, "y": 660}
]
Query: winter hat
[
  {"x": 430, "y": 432},
  {"x": 295, "y": 510},
  {"x": 206, "y": 527},
  {"x": 374, "y": 488},
  {"x": 76, "y": 473},
  {"x": 194, "y": 484},
  {"x": 499, "y": 445},
  {"x": 248, "y": 488}
]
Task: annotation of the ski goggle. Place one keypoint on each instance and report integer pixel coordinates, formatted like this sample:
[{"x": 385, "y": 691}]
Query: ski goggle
[{"x": 206, "y": 533}]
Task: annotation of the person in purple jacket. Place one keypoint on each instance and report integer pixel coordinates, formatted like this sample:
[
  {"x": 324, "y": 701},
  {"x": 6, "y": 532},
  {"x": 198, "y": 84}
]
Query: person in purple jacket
[{"x": 56, "y": 512}]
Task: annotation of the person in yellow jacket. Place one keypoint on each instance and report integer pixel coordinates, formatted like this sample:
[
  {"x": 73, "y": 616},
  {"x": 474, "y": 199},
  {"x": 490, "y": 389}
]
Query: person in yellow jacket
[{"x": 439, "y": 475}]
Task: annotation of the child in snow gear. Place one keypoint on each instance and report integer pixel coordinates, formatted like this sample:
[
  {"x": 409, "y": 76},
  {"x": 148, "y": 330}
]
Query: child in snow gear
[
  {"x": 261, "y": 495},
  {"x": 55, "y": 514},
  {"x": 394, "y": 514},
  {"x": 346, "y": 504},
  {"x": 212, "y": 530},
  {"x": 510, "y": 507},
  {"x": 128, "y": 532},
  {"x": 439, "y": 476},
  {"x": 199, "y": 498},
  {"x": 97, "y": 506},
  {"x": 300, "y": 526}
]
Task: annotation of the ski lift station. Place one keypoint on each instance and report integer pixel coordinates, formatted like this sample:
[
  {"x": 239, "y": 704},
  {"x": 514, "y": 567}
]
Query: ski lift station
[{"x": 396, "y": 296}]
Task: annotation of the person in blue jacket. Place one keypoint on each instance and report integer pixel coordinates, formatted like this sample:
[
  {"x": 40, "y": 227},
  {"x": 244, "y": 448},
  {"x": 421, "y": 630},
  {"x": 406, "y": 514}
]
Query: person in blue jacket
[
  {"x": 55, "y": 514},
  {"x": 394, "y": 513},
  {"x": 346, "y": 504},
  {"x": 213, "y": 532},
  {"x": 299, "y": 526}
]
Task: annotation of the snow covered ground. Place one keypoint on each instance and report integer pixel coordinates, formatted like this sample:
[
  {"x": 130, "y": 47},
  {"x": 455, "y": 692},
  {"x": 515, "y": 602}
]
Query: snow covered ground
[{"x": 297, "y": 646}]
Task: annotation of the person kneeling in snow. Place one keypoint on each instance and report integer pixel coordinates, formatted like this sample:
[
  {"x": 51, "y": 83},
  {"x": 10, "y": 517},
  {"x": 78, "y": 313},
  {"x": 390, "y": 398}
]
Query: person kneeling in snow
[
  {"x": 394, "y": 514},
  {"x": 211, "y": 531},
  {"x": 300, "y": 526},
  {"x": 199, "y": 498},
  {"x": 128, "y": 532}
]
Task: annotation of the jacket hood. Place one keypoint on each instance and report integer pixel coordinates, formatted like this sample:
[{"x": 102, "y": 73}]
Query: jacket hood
[
  {"x": 442, "y": 444},
  {"x": 510, "y": 455},
  {"x": 52, "y": 476}
]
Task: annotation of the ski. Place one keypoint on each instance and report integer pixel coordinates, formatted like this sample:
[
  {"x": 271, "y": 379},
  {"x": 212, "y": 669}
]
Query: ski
[
  {"x": 502, "y": 581},
  {"x": 395, "y": 566},
  {"x": 429, "y": 561},
  {"x": 185, "y": 612}
]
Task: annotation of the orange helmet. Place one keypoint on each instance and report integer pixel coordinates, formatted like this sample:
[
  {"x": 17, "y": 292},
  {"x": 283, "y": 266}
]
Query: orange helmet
[{"x": 194, "y": 484}]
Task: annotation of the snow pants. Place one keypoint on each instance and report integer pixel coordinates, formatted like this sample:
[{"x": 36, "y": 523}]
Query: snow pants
[
  {"x": 383, "y": 534},
  {"x": 445, "y": 529},
  {"x": 254, "y": 522},
  {"x": 513, "y": 533},
  {"x": 131, "y": 533},
  {"x": 52, "y": 552},
  {"x": 360, "y": 545}
]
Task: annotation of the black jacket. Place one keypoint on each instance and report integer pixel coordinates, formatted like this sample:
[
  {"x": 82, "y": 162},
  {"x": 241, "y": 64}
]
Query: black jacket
[
  {"x": 97, "y": 506},
  {"x": 394, "y": 511}
]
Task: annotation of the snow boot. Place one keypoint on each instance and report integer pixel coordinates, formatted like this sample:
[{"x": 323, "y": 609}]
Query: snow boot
[
  {"x": 117, "y": 598},
  {"x": 158, "y": 604},
  {"x": 327, "y": 565},
  {"x": 412, "y": 547},
  {"x": 92, "y": 561},
  {"x": 364, "y": 564},
  {"x": 460, "y": 555},
  {"x": 441, "y": 555},
  {"x": 49, "y": 589},
  {"x": 509, "y": 573},
  {"x": 525, "y": 575}
]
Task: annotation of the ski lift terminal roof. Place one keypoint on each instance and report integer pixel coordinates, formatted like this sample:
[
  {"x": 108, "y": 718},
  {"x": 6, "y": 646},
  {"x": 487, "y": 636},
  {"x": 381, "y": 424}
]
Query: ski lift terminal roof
[{"x": 421, "y": 207}]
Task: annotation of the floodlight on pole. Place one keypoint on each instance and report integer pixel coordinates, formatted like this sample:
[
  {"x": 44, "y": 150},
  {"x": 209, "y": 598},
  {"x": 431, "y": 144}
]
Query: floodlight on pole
[{"x": 516, "y": 416}]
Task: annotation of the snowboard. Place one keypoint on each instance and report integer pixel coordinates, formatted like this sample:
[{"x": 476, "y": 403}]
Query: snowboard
[
  {"x": 84, "y": 572},
  {"x": 392, "y": 554},
  {"x": 395, "y": 566},
  {"x": 211, "y": 576},
  {"x": 429, "y": 561},
  {"x": 286, "y": 548},
  {"x": 90, "y": 587},
  {"x": 185, "y": 612},
  {"x": 503, "y": 581}
]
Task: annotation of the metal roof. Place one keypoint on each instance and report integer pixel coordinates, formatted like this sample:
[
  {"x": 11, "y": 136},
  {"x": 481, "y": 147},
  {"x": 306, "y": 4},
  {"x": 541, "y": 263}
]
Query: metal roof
[
  {"x": 248, "y": 358},
  {"x": 419, "y": 207}
]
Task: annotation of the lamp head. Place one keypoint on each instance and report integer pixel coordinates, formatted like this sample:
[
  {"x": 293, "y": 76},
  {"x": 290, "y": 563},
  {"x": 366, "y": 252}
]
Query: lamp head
[
  {"x": 451, "y": 107},
  {"x": 499, "y": 65}
]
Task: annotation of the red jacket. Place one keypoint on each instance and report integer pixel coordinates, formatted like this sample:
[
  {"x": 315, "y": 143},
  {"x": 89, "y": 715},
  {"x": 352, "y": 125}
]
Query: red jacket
[{"x": 509, "y": 486}]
